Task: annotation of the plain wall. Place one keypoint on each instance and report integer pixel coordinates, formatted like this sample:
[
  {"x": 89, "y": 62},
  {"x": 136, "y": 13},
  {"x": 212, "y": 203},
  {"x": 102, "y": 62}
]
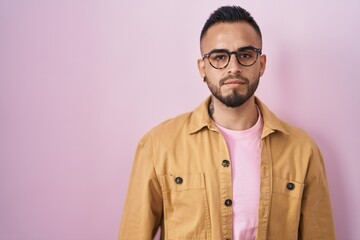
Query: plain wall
[{"x": 82, "y": 81}]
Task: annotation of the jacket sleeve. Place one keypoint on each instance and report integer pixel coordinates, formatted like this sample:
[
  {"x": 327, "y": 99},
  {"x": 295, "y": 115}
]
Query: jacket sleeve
[
  {"x": 316, "y": 221},
  {"x": 142, "y": 211}
]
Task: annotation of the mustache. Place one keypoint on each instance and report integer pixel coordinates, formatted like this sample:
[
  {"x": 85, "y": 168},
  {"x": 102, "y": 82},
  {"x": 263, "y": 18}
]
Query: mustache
[{"x": 223, "y": 80}]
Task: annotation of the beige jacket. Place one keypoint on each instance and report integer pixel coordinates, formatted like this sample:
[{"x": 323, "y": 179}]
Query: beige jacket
[{"x": 181, "y": 182}]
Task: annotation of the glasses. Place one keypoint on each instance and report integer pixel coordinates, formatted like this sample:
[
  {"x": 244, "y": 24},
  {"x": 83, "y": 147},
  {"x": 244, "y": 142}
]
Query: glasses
[{"x": 220, "y": 58}]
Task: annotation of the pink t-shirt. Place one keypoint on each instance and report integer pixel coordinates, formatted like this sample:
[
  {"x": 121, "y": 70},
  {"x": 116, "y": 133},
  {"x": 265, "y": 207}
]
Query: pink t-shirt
[{"x": 244, "y": 148}]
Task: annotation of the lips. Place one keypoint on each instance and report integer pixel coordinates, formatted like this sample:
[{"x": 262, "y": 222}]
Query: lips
[{"x": 233, "y": 80}]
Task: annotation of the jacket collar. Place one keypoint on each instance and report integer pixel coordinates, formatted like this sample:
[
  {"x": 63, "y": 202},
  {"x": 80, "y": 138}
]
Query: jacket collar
[{"x": 200, "y": 118}]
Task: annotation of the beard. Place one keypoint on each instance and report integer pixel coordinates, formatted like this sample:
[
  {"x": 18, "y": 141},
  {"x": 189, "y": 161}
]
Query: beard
[{"x": 234, "y": 98}]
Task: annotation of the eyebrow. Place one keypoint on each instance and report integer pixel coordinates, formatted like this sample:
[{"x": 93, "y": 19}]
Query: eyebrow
[{"x": 227, "y": 50}]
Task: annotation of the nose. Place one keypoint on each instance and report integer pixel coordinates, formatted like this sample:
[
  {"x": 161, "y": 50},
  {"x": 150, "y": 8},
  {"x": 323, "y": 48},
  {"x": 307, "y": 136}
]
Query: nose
[{"x": 234, "y": 66}]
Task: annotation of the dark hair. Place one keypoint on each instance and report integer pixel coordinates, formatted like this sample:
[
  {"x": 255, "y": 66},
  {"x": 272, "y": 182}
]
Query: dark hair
[{"x": 229, "y": 14}]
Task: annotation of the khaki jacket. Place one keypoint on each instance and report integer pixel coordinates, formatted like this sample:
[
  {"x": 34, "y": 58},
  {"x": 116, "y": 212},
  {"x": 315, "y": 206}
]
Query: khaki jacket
[{"x": 181, "y": 182}]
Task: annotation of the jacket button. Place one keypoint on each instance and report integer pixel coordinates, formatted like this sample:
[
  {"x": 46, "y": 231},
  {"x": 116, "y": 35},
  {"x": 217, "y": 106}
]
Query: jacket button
[
  {"x": 228, "y": 202},
  {"x": 178, "y": 180},
  {"x": 290, "y": 186},
  {"x": 226, "y": 163}
]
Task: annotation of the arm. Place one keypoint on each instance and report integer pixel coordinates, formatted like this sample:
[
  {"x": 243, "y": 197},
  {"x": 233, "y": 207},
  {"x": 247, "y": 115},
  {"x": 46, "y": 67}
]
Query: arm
[
  {"x": 143, "y": 206},
  {"x": 316, "y": 220}
]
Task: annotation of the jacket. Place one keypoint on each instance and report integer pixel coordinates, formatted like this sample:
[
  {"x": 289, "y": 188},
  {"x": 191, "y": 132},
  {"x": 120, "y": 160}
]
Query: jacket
[{"x": 181, "y": 180}]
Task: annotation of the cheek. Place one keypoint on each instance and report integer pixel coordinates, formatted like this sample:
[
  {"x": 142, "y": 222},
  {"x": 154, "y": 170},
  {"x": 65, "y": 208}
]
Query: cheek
[
  {"x": 256, "y": 72},
  {"x": 214, "y": 74},
  {"x": 211, "y": 78}
]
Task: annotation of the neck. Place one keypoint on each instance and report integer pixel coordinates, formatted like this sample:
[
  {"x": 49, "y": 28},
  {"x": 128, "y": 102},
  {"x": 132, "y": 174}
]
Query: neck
[{"x": 238, "y": 118}]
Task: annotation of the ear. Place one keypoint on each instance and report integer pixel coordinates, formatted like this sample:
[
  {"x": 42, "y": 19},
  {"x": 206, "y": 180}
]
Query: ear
[
  {"x": 201, "y": 67},
  {"x": 262, "y": 64}
]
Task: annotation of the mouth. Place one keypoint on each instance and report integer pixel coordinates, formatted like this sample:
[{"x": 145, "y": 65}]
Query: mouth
[{"x": 234, "y": 81}]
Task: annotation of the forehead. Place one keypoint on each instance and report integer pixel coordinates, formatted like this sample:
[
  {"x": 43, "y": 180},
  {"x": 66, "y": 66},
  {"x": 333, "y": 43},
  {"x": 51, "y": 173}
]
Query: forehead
[{"x": 230, "y": 36}]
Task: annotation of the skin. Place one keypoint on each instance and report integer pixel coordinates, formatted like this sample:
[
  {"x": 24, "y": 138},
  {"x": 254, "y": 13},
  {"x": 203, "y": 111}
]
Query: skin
[{"x": 235, "y": 79}]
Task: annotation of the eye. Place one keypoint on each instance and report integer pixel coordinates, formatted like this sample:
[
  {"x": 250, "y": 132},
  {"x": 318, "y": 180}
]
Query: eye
[
  {"x": 246, "y": 54},
  {"x": 219, "y": 56}
]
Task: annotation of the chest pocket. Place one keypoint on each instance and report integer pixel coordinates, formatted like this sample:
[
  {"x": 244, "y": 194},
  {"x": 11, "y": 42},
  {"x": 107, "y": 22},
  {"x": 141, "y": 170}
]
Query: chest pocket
[{"x": 186, "y": 212}]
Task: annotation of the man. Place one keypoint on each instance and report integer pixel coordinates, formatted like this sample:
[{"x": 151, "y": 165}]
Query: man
[{"x": 230, "y": 169}]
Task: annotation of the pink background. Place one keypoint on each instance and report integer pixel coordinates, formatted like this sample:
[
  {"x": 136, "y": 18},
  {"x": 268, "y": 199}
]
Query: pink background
[{"x": 82, "y": 81}]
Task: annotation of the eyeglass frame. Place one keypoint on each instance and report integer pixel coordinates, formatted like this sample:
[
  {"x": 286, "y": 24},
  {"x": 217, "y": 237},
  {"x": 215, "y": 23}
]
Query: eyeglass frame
[{"x": 258, "y": 52}]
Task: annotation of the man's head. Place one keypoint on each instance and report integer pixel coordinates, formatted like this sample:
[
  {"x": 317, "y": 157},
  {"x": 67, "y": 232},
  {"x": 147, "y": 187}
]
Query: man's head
[
  {"x": 230, "y": 14},
  {"x": 232, "y": 62}
]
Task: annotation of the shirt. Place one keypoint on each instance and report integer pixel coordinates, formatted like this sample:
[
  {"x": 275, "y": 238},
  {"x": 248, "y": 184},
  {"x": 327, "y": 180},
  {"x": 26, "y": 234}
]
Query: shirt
[
  {"x": 181, "y": 180},
  {"x": 245, "y": 148}
]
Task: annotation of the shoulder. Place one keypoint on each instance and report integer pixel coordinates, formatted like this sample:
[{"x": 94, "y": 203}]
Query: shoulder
[
  {"x": 168, "y": 128},
  {"x": 298, "y": 147},
  {"x": 181, "y": 126}
]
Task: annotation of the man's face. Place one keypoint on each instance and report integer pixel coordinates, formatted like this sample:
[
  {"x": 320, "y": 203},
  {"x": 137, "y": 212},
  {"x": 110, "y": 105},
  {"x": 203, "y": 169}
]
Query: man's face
[{"x": 234, "y": 84}]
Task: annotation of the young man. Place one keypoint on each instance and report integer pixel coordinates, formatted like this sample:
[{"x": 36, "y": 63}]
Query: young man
[{"x": 230, "y": 169}]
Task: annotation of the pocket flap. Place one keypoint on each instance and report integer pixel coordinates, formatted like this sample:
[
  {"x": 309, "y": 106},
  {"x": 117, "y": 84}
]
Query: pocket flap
[
  {"x": 288, "y": 187},
  {"x": 183, "y": 182}
]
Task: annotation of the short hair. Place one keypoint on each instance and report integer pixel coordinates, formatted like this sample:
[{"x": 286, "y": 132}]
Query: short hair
[{"x": 230, "y": 14}]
